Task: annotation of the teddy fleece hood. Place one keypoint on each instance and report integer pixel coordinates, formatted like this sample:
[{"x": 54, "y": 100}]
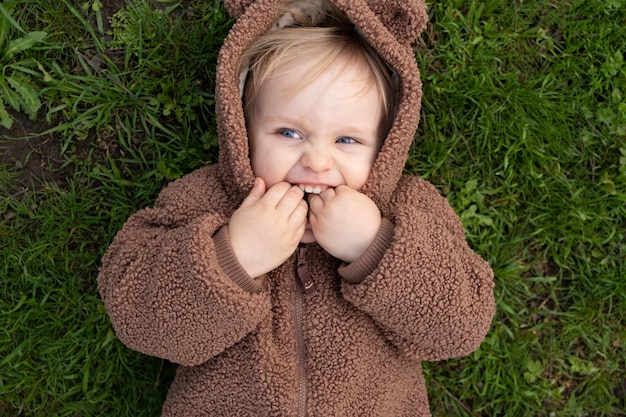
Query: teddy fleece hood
[{"x": 389, "y": 26}]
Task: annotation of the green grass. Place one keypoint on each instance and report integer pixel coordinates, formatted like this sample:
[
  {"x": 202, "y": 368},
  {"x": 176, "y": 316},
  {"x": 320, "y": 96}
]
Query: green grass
[
  {"x": 523, "y": 128},
  {"x": 59, "y": 354}
]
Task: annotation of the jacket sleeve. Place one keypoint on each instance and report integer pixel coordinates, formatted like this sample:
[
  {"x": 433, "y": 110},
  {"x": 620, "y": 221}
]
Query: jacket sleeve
[
  {"x": 426, "y": 288},
  {"x": 167, "y": 280}
]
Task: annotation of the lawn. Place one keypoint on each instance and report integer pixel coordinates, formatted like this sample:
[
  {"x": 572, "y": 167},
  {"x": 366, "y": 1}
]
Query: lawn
[{"x": 523, "y": 129}]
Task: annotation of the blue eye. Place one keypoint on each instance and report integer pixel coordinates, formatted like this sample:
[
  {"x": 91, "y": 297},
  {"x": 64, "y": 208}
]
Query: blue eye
[
  {"x": 346, "y": 139},
  {"x": 289, "y": 133}
]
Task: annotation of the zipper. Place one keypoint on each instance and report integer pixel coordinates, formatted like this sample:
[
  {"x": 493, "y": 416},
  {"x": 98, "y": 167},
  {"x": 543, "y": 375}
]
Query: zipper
[
  {"x": 301, "y": 355},
  {"x": 302, "y": 271}
]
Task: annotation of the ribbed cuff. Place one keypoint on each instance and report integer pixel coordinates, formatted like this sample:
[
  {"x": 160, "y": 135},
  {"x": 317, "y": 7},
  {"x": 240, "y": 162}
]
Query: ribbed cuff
[
  {"x": 230, "y": 265},
  {"x": 365, "y": 264}
]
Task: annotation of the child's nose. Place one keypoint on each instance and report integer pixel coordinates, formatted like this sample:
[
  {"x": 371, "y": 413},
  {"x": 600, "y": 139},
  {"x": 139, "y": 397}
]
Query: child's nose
[{"x": 317, "y": 159}]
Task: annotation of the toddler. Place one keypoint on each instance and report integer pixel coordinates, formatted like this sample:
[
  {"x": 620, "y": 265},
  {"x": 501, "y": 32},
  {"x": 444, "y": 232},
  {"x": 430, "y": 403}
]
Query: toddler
[{"x": 303, "y": 274}]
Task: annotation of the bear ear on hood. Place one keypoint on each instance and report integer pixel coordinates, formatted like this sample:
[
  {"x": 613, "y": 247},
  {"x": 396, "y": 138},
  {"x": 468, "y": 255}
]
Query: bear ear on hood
[{"x": 405, "y": 19}]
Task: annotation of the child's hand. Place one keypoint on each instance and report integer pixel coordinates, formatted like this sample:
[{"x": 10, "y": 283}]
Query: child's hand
[
  {"x": 344, "y": 221},
  {"x": 268, "y": 226}
]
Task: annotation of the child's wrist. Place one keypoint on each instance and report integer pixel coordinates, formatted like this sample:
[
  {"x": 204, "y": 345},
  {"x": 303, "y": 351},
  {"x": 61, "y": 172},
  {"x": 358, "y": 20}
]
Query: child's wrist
[
  {"x": 356, "y": 271},
  {"x": 230, "y": 264}
]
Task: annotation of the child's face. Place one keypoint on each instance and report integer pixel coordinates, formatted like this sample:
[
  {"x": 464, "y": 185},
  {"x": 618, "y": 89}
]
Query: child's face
[{"x": 321, "y": 136}]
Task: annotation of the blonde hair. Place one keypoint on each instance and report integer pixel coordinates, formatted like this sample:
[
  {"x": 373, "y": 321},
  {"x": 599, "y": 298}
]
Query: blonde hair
[{"x": 319, "y": 35}]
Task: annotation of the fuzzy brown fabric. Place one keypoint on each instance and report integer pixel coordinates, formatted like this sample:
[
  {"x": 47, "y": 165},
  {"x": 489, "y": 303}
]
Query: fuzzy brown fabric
[{"x": 260, "y": 347}]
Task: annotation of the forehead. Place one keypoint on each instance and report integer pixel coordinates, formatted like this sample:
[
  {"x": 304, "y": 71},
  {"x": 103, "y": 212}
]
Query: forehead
[
  {"x": 296, "y": 76},
  {"x": 340, "y": 79}
]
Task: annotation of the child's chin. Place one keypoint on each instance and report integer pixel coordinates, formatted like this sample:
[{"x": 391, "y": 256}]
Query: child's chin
[{"x": 308, "y": 237}]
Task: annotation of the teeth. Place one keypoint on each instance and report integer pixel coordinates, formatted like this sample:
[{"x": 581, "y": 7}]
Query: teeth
[{"x": 311, "y": 189}]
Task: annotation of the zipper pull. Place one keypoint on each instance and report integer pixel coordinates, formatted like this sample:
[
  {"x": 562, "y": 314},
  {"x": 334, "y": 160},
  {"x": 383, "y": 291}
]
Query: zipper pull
[{"x": 303, "y": 273}]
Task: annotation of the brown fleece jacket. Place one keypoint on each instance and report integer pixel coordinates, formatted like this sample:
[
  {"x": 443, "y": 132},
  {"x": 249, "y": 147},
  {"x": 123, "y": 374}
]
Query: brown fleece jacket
[{"x": 262, "y": 347}]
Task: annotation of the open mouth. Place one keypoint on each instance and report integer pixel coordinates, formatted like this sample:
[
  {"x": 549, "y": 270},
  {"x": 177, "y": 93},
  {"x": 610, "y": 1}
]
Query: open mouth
[{"x": 312, "y": 189}]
